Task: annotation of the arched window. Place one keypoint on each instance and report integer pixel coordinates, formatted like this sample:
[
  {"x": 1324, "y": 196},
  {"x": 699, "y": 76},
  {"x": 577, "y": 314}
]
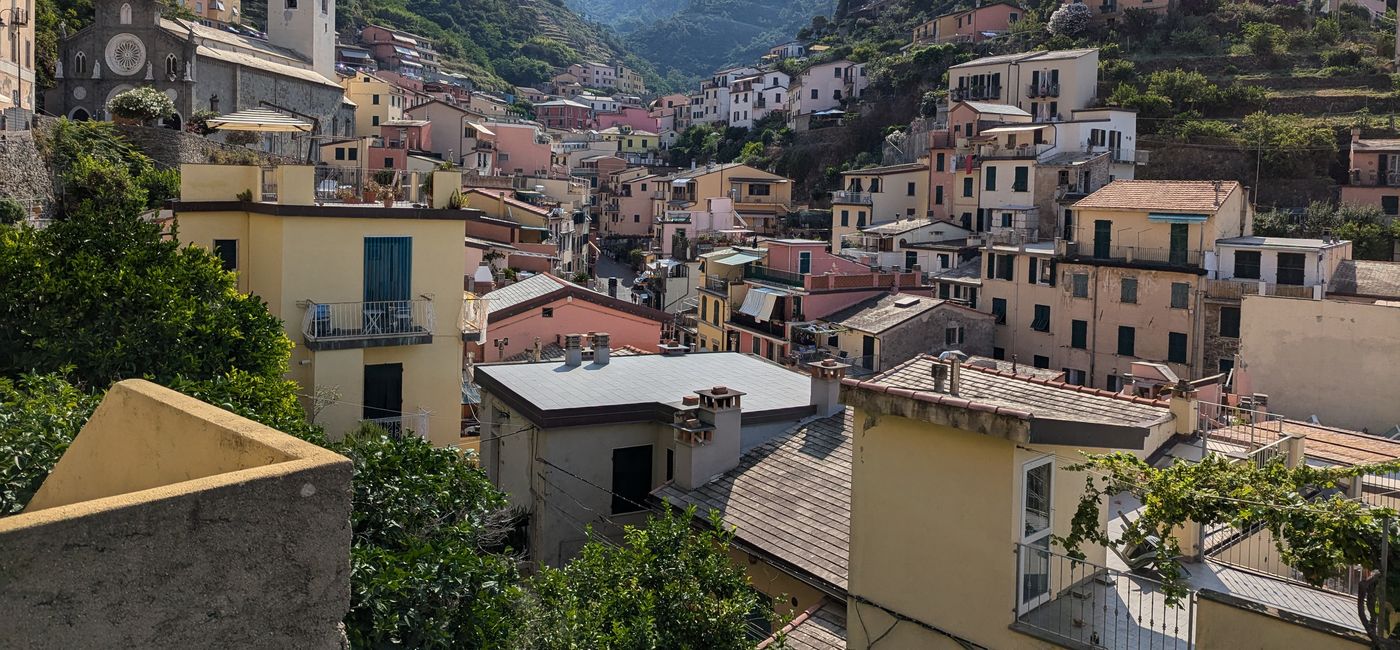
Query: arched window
[
  {"x": 79, "y": 115},
  {"x": 125, "y": 14},
  {"x": 80, "y": 63},
  {"x": 172, "y": 66}
]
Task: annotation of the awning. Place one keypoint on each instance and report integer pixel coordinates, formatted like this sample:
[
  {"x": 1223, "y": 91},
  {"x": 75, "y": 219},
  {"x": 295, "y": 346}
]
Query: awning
[
  {"x": 759, "y": 303},
  {"x": 481, "y": 129},
  {"x": 667, "y": 264},
  {"x": 404, "y": 39},
  {"x": 403, "y": 51},
  {"x": 1019, "y": 128},
  {"x": 259, "y": 119},
  {"x": 219, "y": 5},
  {"x": 1161, "y": 217},
  {"x": 680, "y": 182},
  {"x": 355, "y": 54},
  {"x": 411, "y": 64},
  {"x": 738, "y": 259}
]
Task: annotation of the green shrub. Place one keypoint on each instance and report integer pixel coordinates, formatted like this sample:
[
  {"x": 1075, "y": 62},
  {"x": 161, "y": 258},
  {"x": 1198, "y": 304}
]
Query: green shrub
[
  {"x": 242, "y": 138},
  {"x": 1341, "y": 57},
  {"x": 161, "y": 185},
  {"x": 11, "y": 211},
  {"x": 1327, "y": 31},
  {"x": 144, "y": 103},
  {"x": 1195, "y": 40},
  {"x": 1263, "y": 38}
]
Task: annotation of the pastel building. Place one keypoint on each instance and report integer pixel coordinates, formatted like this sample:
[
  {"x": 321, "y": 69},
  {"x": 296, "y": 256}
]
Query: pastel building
[
  {"x": 1374, "y": 175},
  {"x": 970, "y": 25},
  {"x": 1048, "y": 85},
  {"x": 545, "y": 308}
]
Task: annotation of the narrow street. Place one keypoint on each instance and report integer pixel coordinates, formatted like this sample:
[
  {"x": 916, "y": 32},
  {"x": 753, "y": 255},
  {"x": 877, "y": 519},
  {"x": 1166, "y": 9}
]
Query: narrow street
[{"x": 608, "y": 267}]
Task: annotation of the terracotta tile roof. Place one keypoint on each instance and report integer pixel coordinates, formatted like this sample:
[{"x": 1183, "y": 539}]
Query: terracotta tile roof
[
  {"x": 820, "y": 628},
  {"x": 1018, "y": 396},
  {"x": 1366, "y": 278},
  {"x": 1339, "y": 446},
  {"x": 789, "y": 497},
  {"x": 1164, "y": 196}
]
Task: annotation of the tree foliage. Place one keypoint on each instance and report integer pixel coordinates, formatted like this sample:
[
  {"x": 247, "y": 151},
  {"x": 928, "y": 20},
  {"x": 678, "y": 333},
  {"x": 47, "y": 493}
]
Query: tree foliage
[
  {"x": 144, "y": 103},
  {"x": 1316, "y": 530},
  {"x": 39, "y": 415},
  {"x": 666, "y": 586},
  {"x": 1070, "y": 19},
  {"x": 1363, "y": 225}
]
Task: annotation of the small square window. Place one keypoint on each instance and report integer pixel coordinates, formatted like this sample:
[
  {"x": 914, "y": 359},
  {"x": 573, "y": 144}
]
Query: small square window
[{"x": 547, "y": 312}]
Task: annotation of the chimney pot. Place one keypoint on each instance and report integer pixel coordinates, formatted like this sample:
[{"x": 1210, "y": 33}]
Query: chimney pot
[
  {"x": 690, "y": 400},
  {"x": 573, "y": 349},
  {"x": 719, "y": 390}
]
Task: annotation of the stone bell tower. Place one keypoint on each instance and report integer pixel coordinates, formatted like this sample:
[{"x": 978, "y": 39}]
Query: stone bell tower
[{"x": 306, "y": 27}]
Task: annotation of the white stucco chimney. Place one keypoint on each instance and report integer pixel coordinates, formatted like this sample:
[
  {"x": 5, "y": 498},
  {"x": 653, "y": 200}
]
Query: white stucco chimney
[
  {"x": 602, "y": 349},
  {"x": 707, "y": 436},
  {"x": 826, "y": 386},
  {"x": 573, "y": 349}
]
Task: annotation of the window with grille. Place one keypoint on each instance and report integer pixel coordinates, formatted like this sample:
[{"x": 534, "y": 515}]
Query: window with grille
[
  {"x": 1247, "y": 265},
  {"x": 1181, "y": 295}
]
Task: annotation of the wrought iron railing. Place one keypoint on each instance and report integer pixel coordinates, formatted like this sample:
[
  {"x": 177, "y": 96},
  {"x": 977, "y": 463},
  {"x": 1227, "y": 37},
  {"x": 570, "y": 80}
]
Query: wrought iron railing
[
  {"x": 852, "y": 197},
  {"x": 404, "y": 424},
  {"x": 1080, "y": 604},
  {"x": 1138, "y": 254},
  {"x": 352, "y": 321},
  {"x": 767, "y": 274}
]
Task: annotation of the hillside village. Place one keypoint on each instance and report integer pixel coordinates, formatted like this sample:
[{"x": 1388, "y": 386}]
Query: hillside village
[{"x": 980, "y": 325}]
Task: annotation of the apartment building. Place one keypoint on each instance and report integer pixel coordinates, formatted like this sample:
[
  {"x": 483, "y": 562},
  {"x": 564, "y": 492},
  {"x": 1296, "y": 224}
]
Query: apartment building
[
  {"x": 405, "y": 53},
  {"x": 909, "y": 244},
  {"x": 969, "y": 25},
  {"x": 461, "y": 136},
  {"x": 1344, "y": 338},
  {"x": 564, "y": 114},
  {"x": 371, "y": 296},
  {"x": 1057, "y": 82},
  {"x": 522, "y": 148},
  {"x": 628, "y": 210},
  {"x": 879, "y": 333},
  {"x": 376, "y": 101},
  {"x": 761, "y": 198},
  {"x": 1374, "y": 176},
  {"x": 754, "y": 97},
  {"x": 544, "y": 308},
  {"x": 824, "y": 87},
  {"x": 636, "y": 146},
  {"x": 752, "y": 299},
  {"x": 878, "y": 195},
  {"x": 1127, "y": 286},
  {"x": 584, "y": 444},
  {"x": 17, "y": 89}
]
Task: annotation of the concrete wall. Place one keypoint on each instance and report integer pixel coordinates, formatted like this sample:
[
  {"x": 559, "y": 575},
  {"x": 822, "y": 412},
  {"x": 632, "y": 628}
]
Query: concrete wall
[
  {"x": 1333, "y": 359},
  {"x": 170, "y": 523},
  {"x": 1224, "y": 625}
]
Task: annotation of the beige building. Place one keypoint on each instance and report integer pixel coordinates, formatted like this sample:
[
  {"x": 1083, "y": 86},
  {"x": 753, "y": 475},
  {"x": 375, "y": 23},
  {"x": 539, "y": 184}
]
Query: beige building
[
  {"x": 371, "y": 296},
  {"x": 17, "y": 89},
  {"x": 760, "y": 198},
  {"x": 162, "y": 500},
  {"x": 1066, "y": 78},
  {"x": 1346, "y": 341},
  {"x": 1129, "y": 285},
  {"x": 878, "y": 195},
  {"x": 376, "y": 102}
]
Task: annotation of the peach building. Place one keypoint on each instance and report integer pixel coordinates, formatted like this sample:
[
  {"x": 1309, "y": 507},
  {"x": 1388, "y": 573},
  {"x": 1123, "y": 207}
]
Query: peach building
[
  {"x": 522, "y": 148},
  {"x": 1375, "y": 174},
  {"x": 970, "y": 25},
  {"x": 546, "y": 308}
]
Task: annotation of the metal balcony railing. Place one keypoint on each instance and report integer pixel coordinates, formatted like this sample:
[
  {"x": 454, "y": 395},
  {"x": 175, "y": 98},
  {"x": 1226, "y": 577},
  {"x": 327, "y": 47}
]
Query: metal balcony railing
[
  {"x": 766, "y": 274},
  {"x": 472, "y": 322},
  {"x": 363, "y": 324},
  {"x": 975, "y": 92},
  {"x": 404, "y": 424},
  {"x": 1137, "y": 254},
  {"x": 1079, "y": 604},
  {"x": 1043, "y": 90},
  {"x": 1238, "y": 288},
  {"x": 1372, "y": 178},
  {"x": 851, "y": 197},
  {"x": 1022, "y": 151},
  {"x": 717, "y": 284}
]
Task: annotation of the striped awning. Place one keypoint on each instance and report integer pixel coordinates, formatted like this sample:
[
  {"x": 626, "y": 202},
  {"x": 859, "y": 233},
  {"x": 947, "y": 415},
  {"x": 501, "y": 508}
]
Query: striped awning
[
  {"x": 259, "y": 119},
  {"x": 1171, "y": 217}
]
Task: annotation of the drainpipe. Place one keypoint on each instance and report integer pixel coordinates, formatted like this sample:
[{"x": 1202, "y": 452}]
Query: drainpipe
[{"x": 1094, "y": 329}]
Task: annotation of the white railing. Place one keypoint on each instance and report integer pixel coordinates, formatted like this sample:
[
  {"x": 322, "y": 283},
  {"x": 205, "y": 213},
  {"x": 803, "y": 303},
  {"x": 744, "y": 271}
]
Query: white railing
[
  {"x": 851, "y": 197},
  {"x": 349, "y": 321},
  {"x": 473, "y": 320},
  {"x": 398, "y": 426}
]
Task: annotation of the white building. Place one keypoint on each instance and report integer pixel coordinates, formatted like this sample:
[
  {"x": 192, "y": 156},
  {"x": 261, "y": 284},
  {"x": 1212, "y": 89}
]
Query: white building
[
  {"x": 753, "y": 97},
  {"x": 825, "y": 86}
]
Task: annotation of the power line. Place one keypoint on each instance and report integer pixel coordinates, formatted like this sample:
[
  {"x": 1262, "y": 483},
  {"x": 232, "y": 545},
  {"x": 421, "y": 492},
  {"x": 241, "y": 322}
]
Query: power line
[{"x": 640, "y": 506}]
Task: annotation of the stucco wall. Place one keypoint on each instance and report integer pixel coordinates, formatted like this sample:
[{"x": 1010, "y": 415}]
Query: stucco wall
[
  {"x": 250, "y": 550},
  {"x": 1333, "y": 359},
  {"x": 572, "y": 316},
  {"x": 1220, "y": 625}
]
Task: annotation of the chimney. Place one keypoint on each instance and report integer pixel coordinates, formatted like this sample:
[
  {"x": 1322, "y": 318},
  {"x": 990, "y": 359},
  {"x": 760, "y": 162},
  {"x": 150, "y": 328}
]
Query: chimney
[
  {"x": 707, "y": 436},
  {"x": 535, "y": 350},
  {"x": 573, "y": 349},
  {"x": 826, "y": 386},
  {"x": 672, "y": 348},
  {"x": 955, "y": 359},
  {"x": 940, "y": 377},
  {"x": 602, "y": 351}
]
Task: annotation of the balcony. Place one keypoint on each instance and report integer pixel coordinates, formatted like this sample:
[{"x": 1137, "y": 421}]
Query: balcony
[
  {"x": 1086, "y": 252},
  {"x": 975, "y": 93},
  {"x": 851, "y": 197},
  {"x": 757, "y": 199},
  {"x": 1019, "y": 152},
  {"x": 403, "y": 424},
  {"x": 1078, "y": 604},
  {"x": 716, "y": 285},
  {"x": 872, "y": 280},
  {"x": 1130, "y": 157},
  {"x": 775, "y": 329},
  {"x": 772, "y": 275},
  {"x": 347, "y": 325},
  {"x": 1371, "y": 178},
  {"x": 1235, "y": 289},
  {"x": 472, "y": 322},
  {"x": 1043, "y": 90}
]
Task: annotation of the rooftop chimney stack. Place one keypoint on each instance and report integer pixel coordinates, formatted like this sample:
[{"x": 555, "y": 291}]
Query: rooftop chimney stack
[
  {"x": 940, "y": 377},
  {"x": 602, "y": 350},
  {"x": 955, "y": 360},
  {"x": 573, "y": 349},
  {"x": 707, "y": 436},
  {"x": 536, "y": 350},
  {"x": 826, "y": 386}
]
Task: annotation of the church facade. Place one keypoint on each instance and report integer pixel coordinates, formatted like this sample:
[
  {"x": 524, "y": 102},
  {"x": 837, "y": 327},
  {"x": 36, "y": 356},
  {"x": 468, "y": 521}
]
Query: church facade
[{"x": 131, "y": 44}]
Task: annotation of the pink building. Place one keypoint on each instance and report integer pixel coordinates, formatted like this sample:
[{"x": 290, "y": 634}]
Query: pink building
[
  {"x": 1375, "y": 174},
  {"x": 546, "y": 308},
  {"x": 397, "y": 139},
  {"x": 634, "y": 116},
  {"x": 564, "y": 114},
  {"x": 522, "y": 148},
  {"x": 970, "y": 25}
]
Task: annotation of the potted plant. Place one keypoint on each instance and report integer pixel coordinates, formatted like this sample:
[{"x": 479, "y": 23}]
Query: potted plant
[
  {"x": 345, "y": 195},
  {"x": 386, "y": 193}
]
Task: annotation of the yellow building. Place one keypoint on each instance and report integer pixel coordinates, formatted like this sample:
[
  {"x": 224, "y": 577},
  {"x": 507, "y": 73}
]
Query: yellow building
[
  {"x": 371, "y": 296},
  {"x": 630, "y": 140},
  {"x": 377, "y": 101},
  {"x": 17, "y": 52},
  {"x": 878, "y": 195},
  {"x": 1129, "y": 286},
  {"x": 721, "y": 285}
]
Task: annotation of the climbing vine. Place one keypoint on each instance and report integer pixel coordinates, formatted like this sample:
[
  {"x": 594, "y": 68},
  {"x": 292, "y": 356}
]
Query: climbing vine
[{"x": 1317, "y": 530}]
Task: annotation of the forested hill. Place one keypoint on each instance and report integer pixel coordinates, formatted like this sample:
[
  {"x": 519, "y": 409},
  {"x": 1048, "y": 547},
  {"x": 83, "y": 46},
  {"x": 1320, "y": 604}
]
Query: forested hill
[{"x": 688, "y": 39}]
